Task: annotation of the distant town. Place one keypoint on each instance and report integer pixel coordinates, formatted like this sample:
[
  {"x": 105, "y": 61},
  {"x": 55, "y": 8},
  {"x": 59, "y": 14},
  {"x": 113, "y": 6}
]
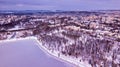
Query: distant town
[{"x": 91, "y": 38}]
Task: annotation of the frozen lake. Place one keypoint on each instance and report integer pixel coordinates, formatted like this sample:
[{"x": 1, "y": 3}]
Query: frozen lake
[{"x": 25, "y": 53}]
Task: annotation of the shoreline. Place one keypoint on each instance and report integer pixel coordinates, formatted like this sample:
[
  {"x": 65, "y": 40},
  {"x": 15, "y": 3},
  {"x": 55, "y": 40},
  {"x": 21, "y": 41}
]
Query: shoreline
[{"x": 54, "y": 53}]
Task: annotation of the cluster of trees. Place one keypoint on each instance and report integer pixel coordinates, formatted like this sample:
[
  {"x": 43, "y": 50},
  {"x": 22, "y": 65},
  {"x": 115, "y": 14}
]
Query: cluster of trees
[
  {"x": 53, "y": 42},
  {"x": 95, "y": 51}
]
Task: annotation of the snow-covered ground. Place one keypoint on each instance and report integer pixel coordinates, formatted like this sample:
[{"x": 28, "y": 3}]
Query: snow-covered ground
[{"x": 69, "y": 59}]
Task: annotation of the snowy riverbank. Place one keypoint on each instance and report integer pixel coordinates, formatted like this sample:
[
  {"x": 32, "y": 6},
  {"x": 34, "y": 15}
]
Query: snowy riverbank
[{"x": 61, "y": 57}]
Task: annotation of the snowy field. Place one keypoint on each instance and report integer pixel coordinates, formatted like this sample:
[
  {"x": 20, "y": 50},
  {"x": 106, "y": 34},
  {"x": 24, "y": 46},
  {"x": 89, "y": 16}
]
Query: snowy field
[{"x": 25, "y": 53}]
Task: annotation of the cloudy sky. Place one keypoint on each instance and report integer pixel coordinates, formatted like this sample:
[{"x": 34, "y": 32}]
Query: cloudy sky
[{"x": 59, "y": 4}]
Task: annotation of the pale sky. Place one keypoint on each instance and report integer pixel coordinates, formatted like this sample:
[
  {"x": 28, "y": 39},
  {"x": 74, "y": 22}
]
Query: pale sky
[{"x": 59, "y": 4}]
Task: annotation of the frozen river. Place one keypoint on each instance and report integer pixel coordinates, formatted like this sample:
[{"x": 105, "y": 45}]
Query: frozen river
[{"x": 25, "y": 53}]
